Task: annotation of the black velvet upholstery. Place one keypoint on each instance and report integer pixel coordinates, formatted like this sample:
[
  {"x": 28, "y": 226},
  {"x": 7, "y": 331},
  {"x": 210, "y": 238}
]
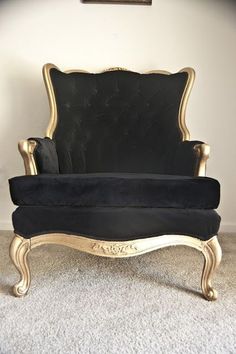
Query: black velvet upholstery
[
  {"x": 184, "y": 159},
  {"x": 117, "y": 121},
  {"x": 46, "y": 155},
  {"x": 110, "y": 189},
  {"x": 115, "y": 223},
  {"x": 117, "y": 167}
]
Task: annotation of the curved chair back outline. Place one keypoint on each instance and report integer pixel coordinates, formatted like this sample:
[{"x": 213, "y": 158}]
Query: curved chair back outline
[{"x": 53, "y": 105}]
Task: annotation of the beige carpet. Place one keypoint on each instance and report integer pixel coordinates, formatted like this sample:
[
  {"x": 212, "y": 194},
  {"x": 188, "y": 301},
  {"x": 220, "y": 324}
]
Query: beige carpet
[{"x": 79, "y": 303}]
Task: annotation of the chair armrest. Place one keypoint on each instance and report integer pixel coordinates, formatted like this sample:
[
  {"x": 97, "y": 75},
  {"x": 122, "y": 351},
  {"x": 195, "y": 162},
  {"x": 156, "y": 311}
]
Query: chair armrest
[
  {"x": 39, "y": 155},
  {"x": 190, "y": 158}
]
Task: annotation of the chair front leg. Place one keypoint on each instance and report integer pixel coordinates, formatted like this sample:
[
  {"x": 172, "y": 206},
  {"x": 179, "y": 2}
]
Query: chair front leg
[
  {"x": 18, "y": 252},
  {"x": 213, "y": 254}
]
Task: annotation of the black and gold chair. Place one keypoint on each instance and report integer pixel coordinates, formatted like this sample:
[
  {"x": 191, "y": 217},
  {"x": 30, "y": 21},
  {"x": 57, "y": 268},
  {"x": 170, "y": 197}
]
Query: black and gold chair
[{"x": 116, "y": 175}]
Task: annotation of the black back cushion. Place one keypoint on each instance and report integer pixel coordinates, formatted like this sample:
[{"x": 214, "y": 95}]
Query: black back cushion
[{"x": 116, "y": 121}]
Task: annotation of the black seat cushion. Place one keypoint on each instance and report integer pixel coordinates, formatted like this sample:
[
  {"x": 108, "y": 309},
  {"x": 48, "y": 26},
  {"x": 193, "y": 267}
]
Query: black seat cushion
[
  {"x": 116, "y": 190},
  {"x": 115, "y": 223}
]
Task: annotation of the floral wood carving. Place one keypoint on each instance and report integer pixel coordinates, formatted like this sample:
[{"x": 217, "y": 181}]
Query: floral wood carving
[{"x": 115, "y": 248}]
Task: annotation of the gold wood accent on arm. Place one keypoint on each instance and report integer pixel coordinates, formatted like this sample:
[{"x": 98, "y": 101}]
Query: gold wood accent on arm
[
  {"x": 115, "y": 249},
  {"x": 203, "y": 152},
  {"x": 53, "y": 106},
  {"x": 26, "y": 148}
]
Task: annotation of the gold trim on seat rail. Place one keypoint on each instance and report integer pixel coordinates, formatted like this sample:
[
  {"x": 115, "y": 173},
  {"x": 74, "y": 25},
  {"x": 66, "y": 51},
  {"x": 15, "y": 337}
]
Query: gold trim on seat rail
[
  {"x": 20, "y": 247},
  {"x": 203, "y": 153}
]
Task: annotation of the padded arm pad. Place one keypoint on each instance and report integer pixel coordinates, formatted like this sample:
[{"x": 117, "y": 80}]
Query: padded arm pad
[
  {"x": 45, "y": 155},
  {"x": 185, "y": 159}
]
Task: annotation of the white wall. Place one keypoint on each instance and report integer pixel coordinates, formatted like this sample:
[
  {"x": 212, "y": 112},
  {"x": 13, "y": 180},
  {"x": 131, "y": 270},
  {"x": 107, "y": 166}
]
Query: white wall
[{"x": 170, "y": 34}]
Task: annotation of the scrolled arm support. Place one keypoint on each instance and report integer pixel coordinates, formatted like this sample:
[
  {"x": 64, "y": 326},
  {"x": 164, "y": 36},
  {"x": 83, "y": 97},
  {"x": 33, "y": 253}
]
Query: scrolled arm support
[
  {"x": 203, "y": 152},
  {"x": 26, "y": 149},
  {"x": 189, "y": 158},
  {"x": 39, "y": 156}
]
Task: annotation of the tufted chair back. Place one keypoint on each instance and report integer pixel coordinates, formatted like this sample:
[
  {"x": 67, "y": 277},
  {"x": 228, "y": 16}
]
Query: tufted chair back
[{"x": 116, "y": 121}]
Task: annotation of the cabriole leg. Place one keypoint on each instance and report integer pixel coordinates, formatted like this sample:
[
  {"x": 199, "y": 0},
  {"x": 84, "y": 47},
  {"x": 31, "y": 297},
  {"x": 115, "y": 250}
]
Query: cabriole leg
[
  {"x": 18, "y": 252},
  {"x": 212, "y": 253}
]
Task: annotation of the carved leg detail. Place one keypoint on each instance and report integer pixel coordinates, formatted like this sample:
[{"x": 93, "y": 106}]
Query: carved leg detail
[
  {"x": 212, "y": 253},
  {"x": 18, "y": 252}
]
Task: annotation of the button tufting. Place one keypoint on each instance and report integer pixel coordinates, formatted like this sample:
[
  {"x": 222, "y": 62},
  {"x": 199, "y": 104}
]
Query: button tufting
[
  {"x": 134, "y": 111},
  {"x": 67, "y": 105}
]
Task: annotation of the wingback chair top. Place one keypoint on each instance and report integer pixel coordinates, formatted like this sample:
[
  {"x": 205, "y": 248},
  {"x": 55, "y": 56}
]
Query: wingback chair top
[
  {"x": 120, "y": 121},
  {"x": 116, "y": 174},
  {"x": 117, "y": 121}
]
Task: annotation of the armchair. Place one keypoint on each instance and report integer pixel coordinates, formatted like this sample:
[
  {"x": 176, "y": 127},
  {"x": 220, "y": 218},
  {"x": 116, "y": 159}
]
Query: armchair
[{"x": 116, "y": 175}]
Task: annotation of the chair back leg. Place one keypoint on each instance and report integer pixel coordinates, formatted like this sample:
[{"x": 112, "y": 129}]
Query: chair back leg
[
  {"x": 19, "y": 250},
  {"x": 213, "y": 254}
]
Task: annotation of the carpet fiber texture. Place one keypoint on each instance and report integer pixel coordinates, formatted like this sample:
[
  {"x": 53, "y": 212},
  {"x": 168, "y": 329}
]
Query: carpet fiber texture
[{"x": 79, "y": 303}]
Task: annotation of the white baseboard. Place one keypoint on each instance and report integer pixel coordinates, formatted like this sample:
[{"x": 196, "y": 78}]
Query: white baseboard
[
  {"x": 6, "y": 225},
  {"x": 225, "y": 227}
]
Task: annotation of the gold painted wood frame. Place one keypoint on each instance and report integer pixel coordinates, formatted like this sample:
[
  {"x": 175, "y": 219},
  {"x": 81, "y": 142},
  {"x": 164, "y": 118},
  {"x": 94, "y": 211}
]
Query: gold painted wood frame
[{"x": 20, "y": 247}]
